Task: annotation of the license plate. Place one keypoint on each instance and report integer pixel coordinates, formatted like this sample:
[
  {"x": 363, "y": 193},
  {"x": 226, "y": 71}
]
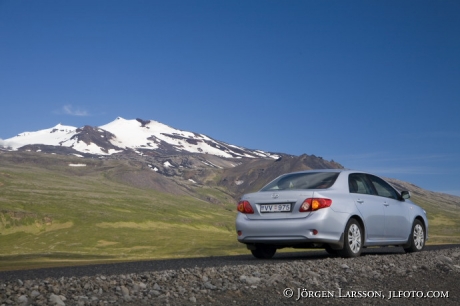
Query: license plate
[{"x": 275, "y": 208}]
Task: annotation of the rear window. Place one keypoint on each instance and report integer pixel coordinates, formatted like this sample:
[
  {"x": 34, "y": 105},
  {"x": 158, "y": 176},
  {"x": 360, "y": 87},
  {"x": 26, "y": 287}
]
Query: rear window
[{"x": 310, "y": 180}]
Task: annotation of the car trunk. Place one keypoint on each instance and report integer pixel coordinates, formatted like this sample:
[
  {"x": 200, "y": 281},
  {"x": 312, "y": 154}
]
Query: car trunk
[{"x": 273, "y": 205}]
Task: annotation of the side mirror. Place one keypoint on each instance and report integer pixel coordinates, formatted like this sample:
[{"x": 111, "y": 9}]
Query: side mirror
[{"x": 405, "y": 194}]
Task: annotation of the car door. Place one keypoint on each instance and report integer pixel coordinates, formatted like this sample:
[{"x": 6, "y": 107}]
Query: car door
[
  {"x": 397, "y": 224},
  {"x": 368, "y": 205}
]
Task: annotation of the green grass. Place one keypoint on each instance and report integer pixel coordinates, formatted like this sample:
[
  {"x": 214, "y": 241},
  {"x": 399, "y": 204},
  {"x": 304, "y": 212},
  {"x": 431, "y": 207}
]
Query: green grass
[
  {"x": 54, "y": 215},
  {"x": 443, "y": 220}
]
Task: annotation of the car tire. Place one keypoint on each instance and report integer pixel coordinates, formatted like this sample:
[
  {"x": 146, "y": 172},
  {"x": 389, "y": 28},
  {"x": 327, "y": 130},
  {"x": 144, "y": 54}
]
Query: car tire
[
  {"x": 264, "y": 252},
  {"x": 353, "y": 239},
  {"x": 417, "y": 238}
]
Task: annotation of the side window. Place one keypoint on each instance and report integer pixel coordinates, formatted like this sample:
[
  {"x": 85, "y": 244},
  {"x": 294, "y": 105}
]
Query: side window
[
  {"x": 383, "y": 188},
  {"x": 357, "y": 183}
]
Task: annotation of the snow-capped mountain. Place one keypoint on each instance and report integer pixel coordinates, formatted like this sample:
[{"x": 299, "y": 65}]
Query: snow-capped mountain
[{"x": 121, "y": 135}]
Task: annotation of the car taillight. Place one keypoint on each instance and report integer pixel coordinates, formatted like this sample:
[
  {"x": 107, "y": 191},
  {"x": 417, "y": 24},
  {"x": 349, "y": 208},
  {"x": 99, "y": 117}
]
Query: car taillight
[
  {"x": 312, "y": 204},
  {"x": 245, "y": 208}
]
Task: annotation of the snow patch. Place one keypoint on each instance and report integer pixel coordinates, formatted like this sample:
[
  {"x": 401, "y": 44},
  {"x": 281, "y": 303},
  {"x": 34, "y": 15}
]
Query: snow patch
[
  {"x": 113, "y": 151},
  {"x": 77, "y": 165},
  {"x": 215, "y": 166},
  {"x": 153, "y": 168},
  {"x": 52, "y": 136}
]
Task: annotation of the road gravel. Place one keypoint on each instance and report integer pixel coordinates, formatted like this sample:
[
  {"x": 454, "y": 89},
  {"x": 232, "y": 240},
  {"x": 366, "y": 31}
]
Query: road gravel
[{"x": 379, "y": 276}]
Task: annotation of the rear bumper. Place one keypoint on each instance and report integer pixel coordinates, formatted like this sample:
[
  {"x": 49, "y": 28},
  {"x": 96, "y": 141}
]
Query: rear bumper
[{"x": 324, "y": 226}]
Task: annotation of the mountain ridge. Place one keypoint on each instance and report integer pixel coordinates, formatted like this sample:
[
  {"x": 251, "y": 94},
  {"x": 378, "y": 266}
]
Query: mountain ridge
[
  {"x": 122, "y": 135},
  {"x": 167, "y": 159}
]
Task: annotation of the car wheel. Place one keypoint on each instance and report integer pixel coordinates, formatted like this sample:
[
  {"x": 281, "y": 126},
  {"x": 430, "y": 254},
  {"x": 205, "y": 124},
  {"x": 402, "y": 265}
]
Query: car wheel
[
  {"x": 417, "y": 237},
  {"x": 353, "y": 239},
  {"x": 264, "y": 252}
]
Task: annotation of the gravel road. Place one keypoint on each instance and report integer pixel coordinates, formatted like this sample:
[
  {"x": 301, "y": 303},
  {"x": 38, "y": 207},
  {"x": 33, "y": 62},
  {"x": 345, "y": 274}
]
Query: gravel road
[{"x": 380, "y": 276}]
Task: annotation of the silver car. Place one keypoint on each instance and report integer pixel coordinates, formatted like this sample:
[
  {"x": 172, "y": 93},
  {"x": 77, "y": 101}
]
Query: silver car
[{"x": 342, "y": 211}]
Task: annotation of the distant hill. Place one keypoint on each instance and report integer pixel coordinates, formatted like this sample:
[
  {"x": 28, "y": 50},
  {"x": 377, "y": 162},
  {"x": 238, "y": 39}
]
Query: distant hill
[{"x": 169, "y": 159}]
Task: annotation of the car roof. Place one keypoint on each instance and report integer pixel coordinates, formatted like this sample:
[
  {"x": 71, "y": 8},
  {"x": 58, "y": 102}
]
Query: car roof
[{"x": 329, "y": 170}]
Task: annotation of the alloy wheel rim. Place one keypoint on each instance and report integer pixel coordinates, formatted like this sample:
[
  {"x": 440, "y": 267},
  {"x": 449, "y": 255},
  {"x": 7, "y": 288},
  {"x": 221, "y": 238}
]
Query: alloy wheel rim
[
  {"x": 354, "y": 238},
  {"x": 418, "y": 236}
]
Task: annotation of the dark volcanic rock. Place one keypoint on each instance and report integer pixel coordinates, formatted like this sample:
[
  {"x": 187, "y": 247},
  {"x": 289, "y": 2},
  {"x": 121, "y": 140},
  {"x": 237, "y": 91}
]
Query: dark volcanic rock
[
  {"x": 143, "y": 122},
  {"x": 99, "y": 137},
  {"x": 51, "y": 150}
]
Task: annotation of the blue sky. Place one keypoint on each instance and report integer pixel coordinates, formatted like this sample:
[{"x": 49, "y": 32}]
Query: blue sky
[{"x": 373, "y": 85}]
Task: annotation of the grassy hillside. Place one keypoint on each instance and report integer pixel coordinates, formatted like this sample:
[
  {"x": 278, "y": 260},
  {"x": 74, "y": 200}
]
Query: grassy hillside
[{"x": 53, "y": 212}]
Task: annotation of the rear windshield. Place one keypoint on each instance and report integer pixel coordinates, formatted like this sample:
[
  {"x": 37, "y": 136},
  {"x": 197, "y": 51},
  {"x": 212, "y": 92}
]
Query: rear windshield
[{"x": 310, "y": 180}]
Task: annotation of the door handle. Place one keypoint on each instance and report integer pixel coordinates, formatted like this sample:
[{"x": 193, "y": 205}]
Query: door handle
[
  {"x": 360, "y": 201},
  {"x": 386, "y": 204}
]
